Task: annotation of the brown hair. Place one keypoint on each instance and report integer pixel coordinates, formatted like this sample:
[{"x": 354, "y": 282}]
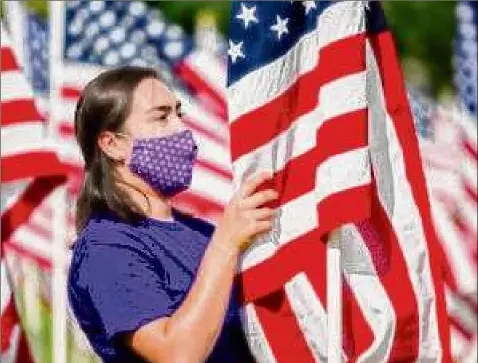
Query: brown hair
[{"x": 105, "y": 103}]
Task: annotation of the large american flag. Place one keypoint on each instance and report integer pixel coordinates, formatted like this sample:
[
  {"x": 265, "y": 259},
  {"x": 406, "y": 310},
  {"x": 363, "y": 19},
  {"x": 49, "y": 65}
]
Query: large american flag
[
  {"x": 30, "y": 170},
  {"x": 317, "y": 96}
]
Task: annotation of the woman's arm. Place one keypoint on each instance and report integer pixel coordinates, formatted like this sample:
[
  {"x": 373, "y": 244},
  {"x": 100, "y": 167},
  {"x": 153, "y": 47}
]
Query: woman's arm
[{"x": 190, "y": 333}]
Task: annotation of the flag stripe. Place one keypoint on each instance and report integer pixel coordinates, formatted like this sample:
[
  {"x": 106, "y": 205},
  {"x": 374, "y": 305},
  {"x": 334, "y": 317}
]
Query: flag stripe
[
  {"x": 280, "y": 326},
  {"x": 32, "y": 164},
  {"x": 401, "y": 122},
  {"x": 303, "y": 93},
  {"x": 22, "y": 209},
  {"x": 18, "y": 111}
]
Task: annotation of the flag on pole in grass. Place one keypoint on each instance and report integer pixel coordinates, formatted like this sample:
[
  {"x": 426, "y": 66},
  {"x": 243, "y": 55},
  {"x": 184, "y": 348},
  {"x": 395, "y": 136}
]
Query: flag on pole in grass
[
  {"x": 316, "y": 95},
  {"x": 30, "y": 170}
]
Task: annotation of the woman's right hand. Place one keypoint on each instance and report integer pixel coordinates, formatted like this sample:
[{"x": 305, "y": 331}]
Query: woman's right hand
[{"x": 245, "y": 217}]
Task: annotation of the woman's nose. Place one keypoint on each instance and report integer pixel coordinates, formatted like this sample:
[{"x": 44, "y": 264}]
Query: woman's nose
[{"x": 177, "y": 123}]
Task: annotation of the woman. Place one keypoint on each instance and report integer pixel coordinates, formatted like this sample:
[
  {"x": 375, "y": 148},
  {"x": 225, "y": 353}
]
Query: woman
[{"x": 147, "y": 283}]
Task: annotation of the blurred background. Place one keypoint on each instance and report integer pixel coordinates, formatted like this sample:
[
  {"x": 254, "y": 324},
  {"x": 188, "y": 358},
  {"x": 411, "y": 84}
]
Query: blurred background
[{"x": 58, "y": 51}]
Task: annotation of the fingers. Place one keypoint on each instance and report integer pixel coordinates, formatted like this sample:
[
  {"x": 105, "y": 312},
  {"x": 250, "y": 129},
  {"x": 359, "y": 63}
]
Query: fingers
[
  {"x": 261, "y": 227},
  {"x": 259, "y": 198},
  {"x": 263, "y": 213},
  {"x": 253, "y": 183}
]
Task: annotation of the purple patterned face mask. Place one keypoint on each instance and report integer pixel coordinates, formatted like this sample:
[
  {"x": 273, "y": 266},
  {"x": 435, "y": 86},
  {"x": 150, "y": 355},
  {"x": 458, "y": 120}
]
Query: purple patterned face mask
[{"x": 165, "y": 163}]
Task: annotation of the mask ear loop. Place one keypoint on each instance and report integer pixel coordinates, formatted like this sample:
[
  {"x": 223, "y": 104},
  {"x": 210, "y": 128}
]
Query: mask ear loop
[{"x": 127, "y": 184}]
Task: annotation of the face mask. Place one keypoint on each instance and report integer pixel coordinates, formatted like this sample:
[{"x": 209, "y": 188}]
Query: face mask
[{"x": 165, "y": 163}]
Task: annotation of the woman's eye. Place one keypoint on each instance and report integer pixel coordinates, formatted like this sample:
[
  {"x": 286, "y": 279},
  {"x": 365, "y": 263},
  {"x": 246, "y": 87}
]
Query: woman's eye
[{"x": 161, "y": 118}]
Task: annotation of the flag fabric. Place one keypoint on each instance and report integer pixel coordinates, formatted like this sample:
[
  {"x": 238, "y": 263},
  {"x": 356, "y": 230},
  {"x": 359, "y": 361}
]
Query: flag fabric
[
  {"x": 105, "y": 34},
  {"x": 30, "y": 171},
  {"x": 454, "y": 214},
  {"x": 316, "y": 95},
  {"x": 465, "y": 55}
]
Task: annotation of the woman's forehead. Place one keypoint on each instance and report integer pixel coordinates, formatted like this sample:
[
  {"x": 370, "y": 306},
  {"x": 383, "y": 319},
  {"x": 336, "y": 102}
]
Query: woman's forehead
[{"x": 150, "y": 93}]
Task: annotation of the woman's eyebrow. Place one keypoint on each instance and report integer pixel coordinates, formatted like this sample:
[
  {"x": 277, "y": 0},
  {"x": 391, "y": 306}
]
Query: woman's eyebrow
[{"x": 165, "y": 108}]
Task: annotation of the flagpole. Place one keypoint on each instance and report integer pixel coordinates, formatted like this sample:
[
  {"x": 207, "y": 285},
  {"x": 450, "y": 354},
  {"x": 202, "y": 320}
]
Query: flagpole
[
  {"x": 16, "y": 23},
  {"x": 59, "y": 296},
  {"x": 334, "y": 298}
]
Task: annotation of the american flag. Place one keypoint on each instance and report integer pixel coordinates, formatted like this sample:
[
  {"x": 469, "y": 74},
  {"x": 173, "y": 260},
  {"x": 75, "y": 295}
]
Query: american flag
[
  {"x": 316, "y": 95},
  {"x": 102, "y": 34},
  {"x": 30, "y": 170},
  {"x": 465, "y": 54}
]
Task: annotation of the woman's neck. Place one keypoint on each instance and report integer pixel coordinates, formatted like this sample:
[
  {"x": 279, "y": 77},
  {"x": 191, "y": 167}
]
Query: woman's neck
[{"x": 149, "y": 201}]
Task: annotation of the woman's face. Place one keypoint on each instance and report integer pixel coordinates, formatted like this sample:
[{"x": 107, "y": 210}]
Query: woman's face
[{"x": 155, "y": 111}]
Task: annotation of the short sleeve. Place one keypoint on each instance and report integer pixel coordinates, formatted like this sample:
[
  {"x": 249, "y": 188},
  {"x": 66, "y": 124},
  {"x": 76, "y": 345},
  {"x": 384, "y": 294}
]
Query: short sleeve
[{"x": 126, "y": 286}]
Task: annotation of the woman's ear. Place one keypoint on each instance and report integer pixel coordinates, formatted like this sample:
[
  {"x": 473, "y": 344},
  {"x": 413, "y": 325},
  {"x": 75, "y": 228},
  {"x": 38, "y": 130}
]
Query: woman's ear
[{"x": 114, "y": 147}]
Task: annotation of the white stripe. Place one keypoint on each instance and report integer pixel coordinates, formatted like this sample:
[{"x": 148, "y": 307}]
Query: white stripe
[
  {"x": 5, "y": 41},
  {"x": 250, "y": 92},
  {"x": 209, "y": 68},
  {"x": 311, "y": 315},
  {"x": 16, "y": 136},
  {"x": 66, "y": 111},
  {"x": 202, "y": 117},
  {"x": 6, "y": 292},
  {"x": 472, "y": 356},
  {"x": 362, "y": 278},
  {"x": 27, "y": 239},
  {"x": 77, "y": 75},
  {"x": 461, "y": 311},
  {"x": 339, "y": 97},
  {"x": 15, "y": 87},
  {"x": 213, "y": 152},
  {"x": 210, "y": 186},
  {"x": 11, "y": 193},
  {"x": 396, "y": 197},
  {"x": 255, "y": 335},
  {"x": 343, "y": 171},
  {"x": 458, "y": 255}
]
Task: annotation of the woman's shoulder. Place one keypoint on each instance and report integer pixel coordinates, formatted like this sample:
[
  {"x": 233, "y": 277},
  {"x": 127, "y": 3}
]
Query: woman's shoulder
[
  {"x": 105, "y": 232},
  {"x": 198, "y": 224}
]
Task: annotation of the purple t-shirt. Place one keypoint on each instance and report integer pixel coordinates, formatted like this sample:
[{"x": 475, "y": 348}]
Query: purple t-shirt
[{"x": 123, "y": 276}]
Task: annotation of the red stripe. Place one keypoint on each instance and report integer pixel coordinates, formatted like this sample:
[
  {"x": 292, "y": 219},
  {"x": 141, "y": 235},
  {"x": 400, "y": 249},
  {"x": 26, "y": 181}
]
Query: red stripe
[
  {"x": 467, "y": 334},
  {"x": 23, "y": 353},
  {"x": 396, "y": 281},
  {"x": 31, "y": 198},
  {"x": 399, "y": 111},
  {"x": 281, "y": 329},
  {"x": 9, "y": 62},
  {"x": 357, "y": 334},
  {"x": 299, "y": 99},
  {"x": 31, "y": 164},
  {"x": 470, "y": 191},
  {"x": 215, "y": 169},
  {"x": 470, "y": 149},
  {"x": 19, "y": 111},
  {"x": 203, "y": 89},
  {"x": 9, "y": 320},
  {"x": 70, "y": 93},
  {"x": 194, "y": 125},
  {"x": 200, "y": 203},
  {"x": 16, "y": 247}
]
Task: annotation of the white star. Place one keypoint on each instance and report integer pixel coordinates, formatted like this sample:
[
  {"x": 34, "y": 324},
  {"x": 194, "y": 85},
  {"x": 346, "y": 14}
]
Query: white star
[
  {"x": 235, "y": 51},
  {"x": 247, "y": 15},
  {"x": 309, "y": 5},
  {"x": 280, "y": 27}
]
